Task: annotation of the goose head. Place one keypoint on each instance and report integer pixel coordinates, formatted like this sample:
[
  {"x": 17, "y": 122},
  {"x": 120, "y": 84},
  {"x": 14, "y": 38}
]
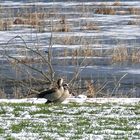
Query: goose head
[
  {"x": 67, "y": 93},
  {"x": 60, "y": 82},
  {"x": 66, "y": 86}
]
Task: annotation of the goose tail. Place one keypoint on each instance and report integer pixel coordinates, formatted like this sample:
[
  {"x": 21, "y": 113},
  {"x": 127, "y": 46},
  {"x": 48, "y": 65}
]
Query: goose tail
[{"x": 41, "y": 95}]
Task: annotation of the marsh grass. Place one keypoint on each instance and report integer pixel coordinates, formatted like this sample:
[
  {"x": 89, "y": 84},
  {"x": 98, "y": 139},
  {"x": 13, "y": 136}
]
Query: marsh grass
[
  {"x": 105, "y": 11},
  {"x": 5, "y": 25},
  {"x": 120, "y": 54},
  {"x": 2, "y": 93},
  {"x": 90, "y": 89},
  {"x": 134, "y": 11},
  {"x": 62, "y": 26},
  {"x": 85, "y": 51},
  {"x": 135, "y": 56},
  {"x": 31, "y": 19},
  {"x": 67, "y": 40},
  {"x": 117, "y": 3},
  {"x": 90, "y": 26}
]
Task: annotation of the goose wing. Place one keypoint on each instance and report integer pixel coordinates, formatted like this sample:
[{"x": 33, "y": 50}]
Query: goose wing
[
  {"x": 51, "y": 94},
  {"x": 46, "y": 92}
]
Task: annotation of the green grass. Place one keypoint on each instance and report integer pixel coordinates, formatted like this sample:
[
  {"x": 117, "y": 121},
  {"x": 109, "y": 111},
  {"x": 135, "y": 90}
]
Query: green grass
[
  {"x": 27, "y": 126},
  {"x": 2, "y": 110},
  {"x": 43, "y": 110},
  {"x": 9, "y": 138},
  {"x": 1, "y": 130},
  {"x": 75, "y": 121},
  {"x": 16, "y": 128}
]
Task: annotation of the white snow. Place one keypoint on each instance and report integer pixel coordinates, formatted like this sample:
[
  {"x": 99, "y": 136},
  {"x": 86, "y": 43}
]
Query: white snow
[
  {"x": 78, "y": 99},
  {"x": 26, "y": 100}
]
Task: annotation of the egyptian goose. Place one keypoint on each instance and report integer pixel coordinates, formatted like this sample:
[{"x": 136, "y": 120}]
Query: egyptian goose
[
  {"x": 53, "y": 94},
  {"x": 65, "y": 94}
]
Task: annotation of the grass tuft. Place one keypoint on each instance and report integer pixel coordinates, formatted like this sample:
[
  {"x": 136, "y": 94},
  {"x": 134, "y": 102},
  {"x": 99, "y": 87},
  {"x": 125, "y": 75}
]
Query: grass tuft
[{"x": 105, "y": 11}]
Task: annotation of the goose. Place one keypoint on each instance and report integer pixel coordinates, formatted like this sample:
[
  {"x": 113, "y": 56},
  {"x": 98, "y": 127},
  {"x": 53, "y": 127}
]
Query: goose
[
  {"x": 53, "y": 94},
  {"x": 65, "y": 94}
]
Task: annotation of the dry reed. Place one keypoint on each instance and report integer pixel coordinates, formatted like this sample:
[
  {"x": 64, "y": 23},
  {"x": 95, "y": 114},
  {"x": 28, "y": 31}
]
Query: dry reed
[
  {"x": 117, "y": 3},
  {"x": 134, "y": 11},
  {"x": 90, "y": 89},
  {"x": 105, "y": 10},
  {"x": 135, "y": 57},
  {"x": 90, "y": 26},
  {"x": 120, "y": 54},
  {"x": 62, "y": 26},
  {"x": 5, "y": 25}
]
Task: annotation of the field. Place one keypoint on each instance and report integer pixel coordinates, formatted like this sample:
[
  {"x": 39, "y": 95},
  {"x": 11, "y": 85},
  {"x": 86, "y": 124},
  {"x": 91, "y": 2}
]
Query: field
[
  {"x": 95, "y": 119},
  {"x": 43, "y": 40}
]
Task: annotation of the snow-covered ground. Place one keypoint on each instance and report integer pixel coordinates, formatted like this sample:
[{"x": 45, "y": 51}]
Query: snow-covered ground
[
  {"x": 88, "y": 119},
  {"x": 78, "y": 99}
]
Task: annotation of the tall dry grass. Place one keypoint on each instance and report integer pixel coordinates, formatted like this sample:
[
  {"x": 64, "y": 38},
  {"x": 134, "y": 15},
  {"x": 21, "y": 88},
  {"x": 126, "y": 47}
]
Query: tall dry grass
[
  {"x": 90, "y": 26},
  {"x": 135, "y": 56},
  {"x": 5, "y": 24},
  {"x": 62, "y": 26},
  {"x": 90, "y": 89},
  {"x": 105, "y": 11},
  {"x": 2, "y": 94},
  {"x": 117, "y": 3},
  {"x": 134, "y": 11},
  {"x": 120, "y": 54}
]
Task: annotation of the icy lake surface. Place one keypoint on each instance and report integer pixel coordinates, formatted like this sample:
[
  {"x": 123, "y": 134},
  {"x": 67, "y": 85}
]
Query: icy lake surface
[{"x": 112, "y": 31}]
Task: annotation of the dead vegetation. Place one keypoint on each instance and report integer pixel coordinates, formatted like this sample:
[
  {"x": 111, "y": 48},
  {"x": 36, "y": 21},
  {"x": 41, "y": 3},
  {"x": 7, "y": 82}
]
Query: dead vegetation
[
  {"x": 36, "y": 20},
  {"x": 122, "y": 54},
  {"x": 83, "y": 52},
  {"x": 134, "y": 11},
  {"x": 66, "y": 40},
  {"x": 117, "y": 3},
  {"x": 62, "y": 26},
  {"x": 2, "y": 94},
  {"x": 135, "y": 56},
  {"x": 5, "y": 24},
  {"x": 90, "y": 89},
  {"x": 105, "y": 11},
  {"x": 90, "y": 26},
  {"x": 33, "y": 22}
]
